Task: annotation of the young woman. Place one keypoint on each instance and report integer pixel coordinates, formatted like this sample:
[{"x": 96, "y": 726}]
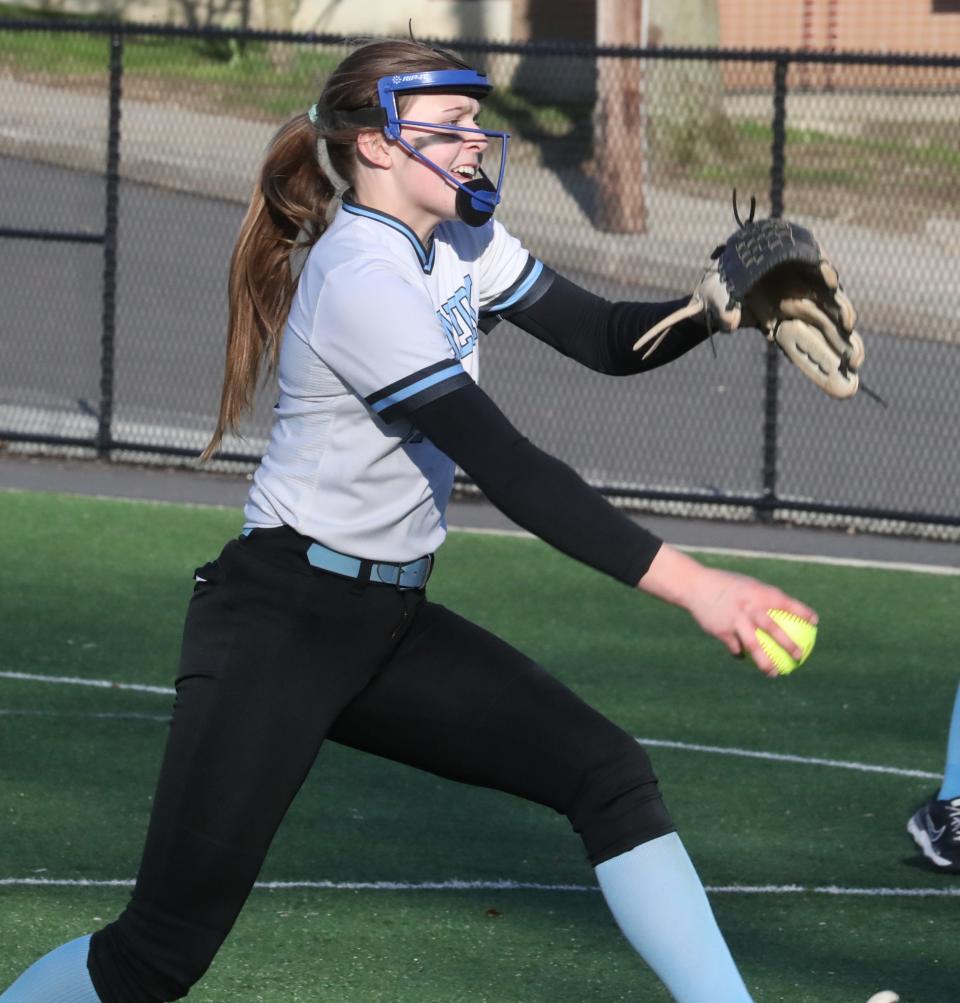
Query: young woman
[{"x": 315, "y": 623}]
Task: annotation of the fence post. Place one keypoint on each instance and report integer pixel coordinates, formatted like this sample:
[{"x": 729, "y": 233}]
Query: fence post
[
  {"x": 109, "y": 307},
  {"x": 772, "y": 382}
]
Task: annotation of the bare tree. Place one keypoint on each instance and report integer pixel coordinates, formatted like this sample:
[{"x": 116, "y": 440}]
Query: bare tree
[{"x": 208, "y": 13}]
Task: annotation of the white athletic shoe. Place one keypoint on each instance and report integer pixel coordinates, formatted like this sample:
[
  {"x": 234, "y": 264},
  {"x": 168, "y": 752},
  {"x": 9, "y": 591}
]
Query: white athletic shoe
[{"x": 884, "y": 997}]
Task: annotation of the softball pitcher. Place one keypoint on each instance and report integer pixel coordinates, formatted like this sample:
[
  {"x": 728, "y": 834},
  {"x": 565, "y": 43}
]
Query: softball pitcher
[{"x": 315, "y": 623}]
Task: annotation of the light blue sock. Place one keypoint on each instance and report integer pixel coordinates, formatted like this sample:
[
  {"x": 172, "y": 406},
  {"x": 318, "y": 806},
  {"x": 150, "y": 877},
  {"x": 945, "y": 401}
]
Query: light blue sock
[
  {"x": 58, "y": 977},
  {"x": 951, "y": 775},
  {"x": 659, "y": 903}
]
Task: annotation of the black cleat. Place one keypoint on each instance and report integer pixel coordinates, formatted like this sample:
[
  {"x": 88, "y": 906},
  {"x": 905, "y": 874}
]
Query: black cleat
[{"x": 936, "y": 830}]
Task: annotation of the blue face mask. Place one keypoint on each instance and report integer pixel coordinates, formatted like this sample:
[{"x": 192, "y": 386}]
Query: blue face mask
[{"x": 477, "y": 198}]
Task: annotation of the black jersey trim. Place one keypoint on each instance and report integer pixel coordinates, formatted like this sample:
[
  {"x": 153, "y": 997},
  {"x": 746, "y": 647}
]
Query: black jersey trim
[
  {"x": 426, "y": 256},
  {"x": 531, "y": 284},
  {"x": 408, "y": 381},
  {"x": 435, "y": 391},
  {"x": 416, "y": 389}
]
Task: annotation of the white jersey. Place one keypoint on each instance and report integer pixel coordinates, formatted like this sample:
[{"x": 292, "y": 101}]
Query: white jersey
[{"x": 379, "y": 325}]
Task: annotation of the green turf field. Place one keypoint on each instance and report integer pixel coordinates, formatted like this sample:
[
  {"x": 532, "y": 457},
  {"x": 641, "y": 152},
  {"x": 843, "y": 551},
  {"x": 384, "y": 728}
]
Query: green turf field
[{"x": 95, "y": 590}]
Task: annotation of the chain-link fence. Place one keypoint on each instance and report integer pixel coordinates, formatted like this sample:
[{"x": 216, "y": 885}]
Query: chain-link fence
[{"x": 129, "y": 153}]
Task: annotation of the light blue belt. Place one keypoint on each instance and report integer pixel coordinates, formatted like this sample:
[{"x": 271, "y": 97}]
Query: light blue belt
[{"x": 403, "y": 576}]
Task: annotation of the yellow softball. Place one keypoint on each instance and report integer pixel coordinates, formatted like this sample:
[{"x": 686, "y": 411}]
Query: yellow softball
[{"x": 800, "y": 631}]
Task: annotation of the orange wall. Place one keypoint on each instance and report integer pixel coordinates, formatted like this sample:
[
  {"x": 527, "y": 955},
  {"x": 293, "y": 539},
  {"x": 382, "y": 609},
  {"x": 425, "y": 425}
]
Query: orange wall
[
  {"x": 840, "y": 25},
  {"x": 860, "y": 25}
]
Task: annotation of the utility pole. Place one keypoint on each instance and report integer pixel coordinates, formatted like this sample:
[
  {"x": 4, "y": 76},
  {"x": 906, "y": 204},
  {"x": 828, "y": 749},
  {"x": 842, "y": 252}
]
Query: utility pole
[{"x": 619, "y": 147}]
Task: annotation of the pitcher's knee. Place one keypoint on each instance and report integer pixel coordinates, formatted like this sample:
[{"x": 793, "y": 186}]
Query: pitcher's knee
[
  {"x": 149, "y": 957},
  {"x": 618, "y": 804}
]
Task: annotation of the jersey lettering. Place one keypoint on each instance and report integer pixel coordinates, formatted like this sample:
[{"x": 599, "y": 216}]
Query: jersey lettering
[{"x": 459, "y": 319}]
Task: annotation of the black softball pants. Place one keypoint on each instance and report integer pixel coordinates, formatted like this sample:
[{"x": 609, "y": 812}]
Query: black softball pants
[{"x": 278, "y": 656}]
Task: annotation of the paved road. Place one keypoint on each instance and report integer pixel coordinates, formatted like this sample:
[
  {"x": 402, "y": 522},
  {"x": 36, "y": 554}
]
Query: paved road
[
  {"x": 904, "y": 281},
  {"x": 696, "y": 424}
]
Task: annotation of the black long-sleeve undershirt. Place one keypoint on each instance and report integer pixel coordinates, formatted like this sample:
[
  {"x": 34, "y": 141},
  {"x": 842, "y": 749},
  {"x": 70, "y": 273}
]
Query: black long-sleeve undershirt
[
  {"x": 538, "y": 491},
  {"x": 597, "y": 333}
]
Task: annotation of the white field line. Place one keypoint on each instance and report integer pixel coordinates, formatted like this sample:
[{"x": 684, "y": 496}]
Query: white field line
[
  {"x": 457, "y": 885},
  {"x": 840, "y": 562},
  {"x": 782, "y": 757},
  {"x": 499, "y": 885},
  {"x": 720, "y": 750},
  {"x": 104, "y": 684},
  {"x": 83, "y": 715}
]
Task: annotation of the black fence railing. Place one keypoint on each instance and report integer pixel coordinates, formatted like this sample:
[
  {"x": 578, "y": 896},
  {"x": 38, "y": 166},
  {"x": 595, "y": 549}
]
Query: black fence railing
[{"x": 129, "y": 152}]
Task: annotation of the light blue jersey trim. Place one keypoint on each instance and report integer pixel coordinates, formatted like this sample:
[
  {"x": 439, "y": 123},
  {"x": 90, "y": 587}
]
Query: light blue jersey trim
[
  {"x": 455, "y": 369},
  {"x": 426, "y": 258},
  {"x": 519, "y": 293}
]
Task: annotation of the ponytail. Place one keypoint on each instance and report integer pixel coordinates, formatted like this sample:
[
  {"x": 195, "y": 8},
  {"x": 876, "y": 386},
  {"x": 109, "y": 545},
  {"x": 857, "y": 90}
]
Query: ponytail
[{"x": 286, "y": 214}]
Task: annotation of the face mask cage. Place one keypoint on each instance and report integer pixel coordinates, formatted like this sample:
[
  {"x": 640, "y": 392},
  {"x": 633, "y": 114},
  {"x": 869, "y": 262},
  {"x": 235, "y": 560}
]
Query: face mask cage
[{"x": 476, "y": 199}]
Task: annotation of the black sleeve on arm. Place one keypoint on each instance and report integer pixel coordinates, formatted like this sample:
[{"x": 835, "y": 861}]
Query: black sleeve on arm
[
  {"x": 537, "y": 491},
  {"x": 597, "y": 333}
]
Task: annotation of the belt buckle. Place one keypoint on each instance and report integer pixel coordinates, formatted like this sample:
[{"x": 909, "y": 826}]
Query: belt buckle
[
  {"x": 402, "y": 570},
  {"x": 390, "y": 574},
  {"x": 424, "y": 563},
  {"x": 393, "y": 574}
]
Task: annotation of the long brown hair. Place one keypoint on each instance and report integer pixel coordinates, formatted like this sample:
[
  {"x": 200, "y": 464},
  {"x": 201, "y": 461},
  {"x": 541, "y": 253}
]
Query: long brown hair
[{"x": 288, "y": 213}]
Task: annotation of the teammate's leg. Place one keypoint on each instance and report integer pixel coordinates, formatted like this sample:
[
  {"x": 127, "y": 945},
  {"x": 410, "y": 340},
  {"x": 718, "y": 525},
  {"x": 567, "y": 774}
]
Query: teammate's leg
[
  {"x": 935, "y": 826},
  {"x": 461, "y": 703},
  {"x": 950, "y": 788}
]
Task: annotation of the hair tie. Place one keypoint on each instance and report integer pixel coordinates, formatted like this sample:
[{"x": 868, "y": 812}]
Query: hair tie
[{"x": 313, "y": 114}]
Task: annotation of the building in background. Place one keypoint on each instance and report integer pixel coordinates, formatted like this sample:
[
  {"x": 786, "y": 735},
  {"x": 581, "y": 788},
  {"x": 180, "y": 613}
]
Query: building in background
[
  {"x": 487, "y": 19},
  {"x": 830, "y": 25},
  {"x": 872, "y": 25}
]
